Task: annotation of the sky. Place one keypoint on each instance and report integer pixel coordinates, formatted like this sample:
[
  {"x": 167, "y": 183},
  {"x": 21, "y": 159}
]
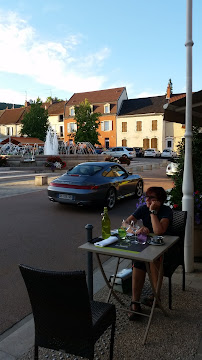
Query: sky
[{"x": 57, "y": 48}]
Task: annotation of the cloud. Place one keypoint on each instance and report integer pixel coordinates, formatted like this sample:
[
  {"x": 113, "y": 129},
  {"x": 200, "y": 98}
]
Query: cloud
[
  {"x": 12, "y": 96},
  {"x": 53, "y": 63}
]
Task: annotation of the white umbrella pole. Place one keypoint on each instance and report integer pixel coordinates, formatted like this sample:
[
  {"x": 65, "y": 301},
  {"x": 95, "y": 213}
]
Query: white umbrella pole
[{"x": 188, "y": 184}]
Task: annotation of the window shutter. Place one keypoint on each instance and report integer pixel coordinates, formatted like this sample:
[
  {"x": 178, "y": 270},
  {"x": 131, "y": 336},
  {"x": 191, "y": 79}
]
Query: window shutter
[
  {"x": 110, "y": 124},
  {"x": 102, "y": 125},
  {"x": 139, "y": 126},
  {"x": 154, "y": 125},
  {"x": 68, "y": 127}
]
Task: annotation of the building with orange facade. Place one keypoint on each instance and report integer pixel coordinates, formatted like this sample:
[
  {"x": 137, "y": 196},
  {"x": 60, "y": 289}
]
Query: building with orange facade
[{"x": 107, "y": 102}]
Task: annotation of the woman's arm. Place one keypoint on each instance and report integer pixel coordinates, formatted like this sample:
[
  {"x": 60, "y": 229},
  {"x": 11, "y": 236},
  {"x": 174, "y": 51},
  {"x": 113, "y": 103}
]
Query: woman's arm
[{"x": 159, "y": 227}]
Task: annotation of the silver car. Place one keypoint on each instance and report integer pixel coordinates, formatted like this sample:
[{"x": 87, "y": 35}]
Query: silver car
[
  {"x": 152, "y": 153},
  {"x": 119, "y": 151},
  {"x": 95, "y": 183}
]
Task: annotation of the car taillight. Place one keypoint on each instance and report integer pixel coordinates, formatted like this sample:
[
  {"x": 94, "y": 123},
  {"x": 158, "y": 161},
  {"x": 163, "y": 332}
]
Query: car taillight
[{"x": 86, "y": 187}]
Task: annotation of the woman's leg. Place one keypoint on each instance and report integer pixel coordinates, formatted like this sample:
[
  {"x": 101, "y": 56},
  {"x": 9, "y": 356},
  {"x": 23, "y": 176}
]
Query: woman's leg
[
  {"x": 138, "y": 279},
  {"x": 154, "y": 268}
]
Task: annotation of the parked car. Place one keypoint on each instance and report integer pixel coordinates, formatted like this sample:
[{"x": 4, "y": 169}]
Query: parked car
[
  {"x": 152, "y": 153},
  {"x": 139, "y": 151},
  {"x": 119, "y": 151},
  {"x": 99, "y": 150},
  {"x": 168, "y": 153},
  {"x": 95, "y": 182},
  {"x": 171, "y": 169}
]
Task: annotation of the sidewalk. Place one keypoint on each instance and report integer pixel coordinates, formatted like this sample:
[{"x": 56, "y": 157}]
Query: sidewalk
[{"x": 18, "y": 340}]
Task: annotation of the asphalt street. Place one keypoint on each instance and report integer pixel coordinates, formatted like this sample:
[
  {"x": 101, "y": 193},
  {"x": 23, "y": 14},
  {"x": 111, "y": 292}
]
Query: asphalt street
[{"x": 42, "y": 234}]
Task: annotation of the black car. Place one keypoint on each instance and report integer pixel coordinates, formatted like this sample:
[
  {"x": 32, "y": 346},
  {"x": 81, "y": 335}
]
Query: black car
[
  {"x": 139, "y": 151},
  {"x": 95, "y": 182}
]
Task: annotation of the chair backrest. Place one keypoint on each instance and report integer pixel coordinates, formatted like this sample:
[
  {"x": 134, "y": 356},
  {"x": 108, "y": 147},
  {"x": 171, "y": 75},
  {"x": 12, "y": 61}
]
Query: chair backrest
[
  {"x": 61, "y": 308},
  {"x": 178, "y": 224},
  {"x": 175, "y": 256}
]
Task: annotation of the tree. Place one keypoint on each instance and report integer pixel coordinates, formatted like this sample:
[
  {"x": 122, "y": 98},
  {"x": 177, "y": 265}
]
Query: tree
[
  {"x": 55, "y": 99},
  {"x": 87, "y": 123},
  {"x": 176, "y": 192},
  {"x": 171, "y": 85},
  {"x": 35, "y": 121}
]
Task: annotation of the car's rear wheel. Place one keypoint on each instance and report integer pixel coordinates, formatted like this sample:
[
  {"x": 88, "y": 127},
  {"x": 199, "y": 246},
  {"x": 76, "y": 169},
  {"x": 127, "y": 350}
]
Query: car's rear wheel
[
  {"x": 139, "y": 189},
  {"x": 110, "y": 200}
]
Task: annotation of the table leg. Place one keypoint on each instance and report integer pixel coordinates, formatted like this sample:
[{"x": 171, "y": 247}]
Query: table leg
[
  {"x": 156, "y": 295},
  {"x": 107, "y": 282}
]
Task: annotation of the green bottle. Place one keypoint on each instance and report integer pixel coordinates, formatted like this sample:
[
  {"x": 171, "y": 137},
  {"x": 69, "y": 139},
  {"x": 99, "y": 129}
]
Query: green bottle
[{"x": 106, "y": 224}]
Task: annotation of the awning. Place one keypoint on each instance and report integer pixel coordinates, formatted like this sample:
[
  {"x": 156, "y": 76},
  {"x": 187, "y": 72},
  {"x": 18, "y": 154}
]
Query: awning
[{"x": 175, "y": 111}]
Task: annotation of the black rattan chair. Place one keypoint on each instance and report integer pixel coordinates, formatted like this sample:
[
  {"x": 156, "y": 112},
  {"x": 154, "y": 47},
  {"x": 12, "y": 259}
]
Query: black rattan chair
[
  {"x": 65, "y": 319},
  {"x": 175, "y": 256}
]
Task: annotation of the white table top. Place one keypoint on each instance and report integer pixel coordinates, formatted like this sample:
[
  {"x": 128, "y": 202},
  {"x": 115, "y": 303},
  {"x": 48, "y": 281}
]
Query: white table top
[{"x": 150, "y": 254}]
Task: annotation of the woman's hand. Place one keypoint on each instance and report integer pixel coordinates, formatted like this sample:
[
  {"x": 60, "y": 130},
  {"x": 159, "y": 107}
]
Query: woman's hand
[
  {"x": 143, "y": 230},
  {"x": 155, "y": 205}
]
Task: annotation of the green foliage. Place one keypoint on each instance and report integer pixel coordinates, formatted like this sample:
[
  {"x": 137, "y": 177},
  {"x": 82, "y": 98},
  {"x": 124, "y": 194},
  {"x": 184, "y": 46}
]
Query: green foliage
[
  {"x": 55, "y": 99},
  {"x": 87, "y": 124},
  {"x": 171, "y": 85},
  {"x": 35, "y": 121},
  {"x": 176, "y": 192}
]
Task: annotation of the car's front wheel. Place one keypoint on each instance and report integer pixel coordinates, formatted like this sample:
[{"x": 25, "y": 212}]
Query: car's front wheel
[
  {"x": 110, "y": 198},
  {"x": 139, "y": 189}
]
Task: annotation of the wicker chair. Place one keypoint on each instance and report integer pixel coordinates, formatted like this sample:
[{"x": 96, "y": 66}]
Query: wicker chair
[
  {"x": 175, "y": 256},
  {"x": 65, "y": 319}
]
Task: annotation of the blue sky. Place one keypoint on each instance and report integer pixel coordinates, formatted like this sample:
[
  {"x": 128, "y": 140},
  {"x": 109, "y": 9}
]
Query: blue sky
[{"x": 56, "y": 48}]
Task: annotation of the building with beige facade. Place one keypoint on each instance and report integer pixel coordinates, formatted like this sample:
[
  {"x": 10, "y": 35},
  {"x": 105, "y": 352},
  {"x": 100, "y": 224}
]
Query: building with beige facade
[{"x": 140, "y": 123}]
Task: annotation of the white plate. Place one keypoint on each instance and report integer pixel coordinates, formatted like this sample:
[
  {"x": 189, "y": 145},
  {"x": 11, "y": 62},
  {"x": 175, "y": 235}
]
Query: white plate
[
  {"x": 115, "y": 231},
  {"x": 155, "y": 244}
]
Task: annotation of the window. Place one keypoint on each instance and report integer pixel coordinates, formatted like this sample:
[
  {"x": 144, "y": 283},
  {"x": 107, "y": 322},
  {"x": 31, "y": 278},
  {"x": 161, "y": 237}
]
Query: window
[
  {"x": 61, "y": 131},
  {"x": 154, "y": 125},
  {"x": 7, "y": 131},
  {"x": 61, "y": 118},
  {"x": 113, "y": 171},
  {"x": 146, "y": 143},
  {"x": 106, "y": 125},
  {"x": 169, "y": 144},
  {"x": 71, "y": 127},
  {"x": 154, "y": 143},
  {"x": 124, "y": 126},
  {"x": 107, "y": 143},
  {"x": 107, "y": 108},
  {"x": 138, "y": 125},
  {"x": 71, "y": 111},
  {"x": 124, "y": 142}
]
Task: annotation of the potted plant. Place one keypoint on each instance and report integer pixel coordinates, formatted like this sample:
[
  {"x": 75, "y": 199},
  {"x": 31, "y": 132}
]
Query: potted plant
[{"x": 175, "y": 194}]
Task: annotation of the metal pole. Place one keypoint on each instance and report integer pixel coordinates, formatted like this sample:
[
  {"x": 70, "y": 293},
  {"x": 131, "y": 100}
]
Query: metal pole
[
  {"x": 89, "y": 229},
  {"x": 188, "y": 183}
]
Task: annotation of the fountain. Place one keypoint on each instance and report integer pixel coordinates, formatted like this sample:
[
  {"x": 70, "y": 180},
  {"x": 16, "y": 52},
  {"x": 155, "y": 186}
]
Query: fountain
[{"x": 51, "y": 143}]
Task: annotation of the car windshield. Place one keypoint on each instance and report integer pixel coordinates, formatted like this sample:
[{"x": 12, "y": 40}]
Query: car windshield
[
  {"x": 150, "y": 150},
  {"x": 129, "y": 149},
  {"x": 84, "y": 170}
]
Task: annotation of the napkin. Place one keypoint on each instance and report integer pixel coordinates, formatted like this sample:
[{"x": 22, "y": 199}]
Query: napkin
[{"x": 105, "y": 242}]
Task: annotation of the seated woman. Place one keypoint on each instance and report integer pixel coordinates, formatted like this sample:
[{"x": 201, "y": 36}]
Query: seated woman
[{"x": 156, "y": 218}]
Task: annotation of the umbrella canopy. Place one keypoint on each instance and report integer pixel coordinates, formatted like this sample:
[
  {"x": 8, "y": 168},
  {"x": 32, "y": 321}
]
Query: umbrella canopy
[{"x": 175, "y": 111}]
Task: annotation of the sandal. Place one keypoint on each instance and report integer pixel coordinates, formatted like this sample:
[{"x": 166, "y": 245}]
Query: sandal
[
  {"x": 135, "y": 315},
  {"x": 148, "y": 301}
]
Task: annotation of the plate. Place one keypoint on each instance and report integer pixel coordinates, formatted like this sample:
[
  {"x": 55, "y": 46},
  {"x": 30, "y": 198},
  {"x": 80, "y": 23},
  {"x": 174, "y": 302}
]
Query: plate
[
  {"x": 150, "y": 242},
  {"x": 115, "y": 231}
]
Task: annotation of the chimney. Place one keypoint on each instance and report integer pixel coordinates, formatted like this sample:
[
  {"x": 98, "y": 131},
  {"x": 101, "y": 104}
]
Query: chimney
[
  {"x": 27, "y": 103},
  {"x": 168, "y": 92}
]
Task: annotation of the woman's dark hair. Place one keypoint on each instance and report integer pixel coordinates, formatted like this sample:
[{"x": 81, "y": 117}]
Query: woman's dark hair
[{"x": 160, "y": 193}]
